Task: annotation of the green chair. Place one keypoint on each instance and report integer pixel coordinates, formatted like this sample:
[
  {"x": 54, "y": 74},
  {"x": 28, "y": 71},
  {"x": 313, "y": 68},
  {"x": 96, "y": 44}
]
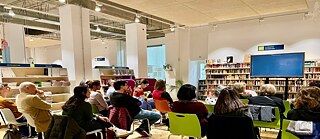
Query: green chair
[
  {"x": 95, "y": 109},
  {"x": 285, "y": 134},
  {"x": 245, "y": 101},
  {"x": 210, "y": 108},
  {"x": 275, "y": 124},
  {"x": 287, "y": 107},
  {"x": 184, "y": 125}
]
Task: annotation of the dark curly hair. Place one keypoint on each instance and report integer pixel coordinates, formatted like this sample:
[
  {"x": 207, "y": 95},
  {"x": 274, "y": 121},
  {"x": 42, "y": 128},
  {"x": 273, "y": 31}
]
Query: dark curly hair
[
  {"x": 78, "y": 97},
  {"x": 308, "y": 97}
]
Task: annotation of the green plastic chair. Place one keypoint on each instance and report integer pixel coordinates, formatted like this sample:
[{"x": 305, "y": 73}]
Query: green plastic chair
[
  {"x": 184, "y": 125},
  {"x": 245, "y": 101},
  {"x": 275, "y": 124},
  {"x": 95, "y": 109},
  {"x": 285, "y": 134},
  {"x": 210, "y": 108},
  {"x": 287, "y": 107}
]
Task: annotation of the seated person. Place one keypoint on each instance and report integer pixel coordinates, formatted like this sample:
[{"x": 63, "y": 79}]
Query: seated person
[
  {"x": 30, "y": 104},
  {"x": 96, "y": 97},
  {"x": 81, "y": 111},
  {"x": 240, "y": 88},
  {"x": 188, "y": 104},
  {"x": 306, "y": 105},
  {"x": 7, "y": 103},
  {"x": 110, "y": 89},
  {"x": 267, "y": 98},
  {"x": 120, "y": 99},
  {"x": 138, "y": 92},
  {"x": 212, "y": 98}
]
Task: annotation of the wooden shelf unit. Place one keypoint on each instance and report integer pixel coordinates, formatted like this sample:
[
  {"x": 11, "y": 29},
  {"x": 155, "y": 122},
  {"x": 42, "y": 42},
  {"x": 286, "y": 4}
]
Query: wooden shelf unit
[
  {"x": 202, "y": 89},
  {"x": 229, "y": 73},
  {"x": 14, "y": 76},
  {"x": 107, "y": 74}
]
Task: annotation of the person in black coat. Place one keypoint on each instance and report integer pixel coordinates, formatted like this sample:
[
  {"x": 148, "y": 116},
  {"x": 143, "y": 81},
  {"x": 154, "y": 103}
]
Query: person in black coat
[
  {"x": 307, "y": 105},
  {"x": 267, "y": 98}
]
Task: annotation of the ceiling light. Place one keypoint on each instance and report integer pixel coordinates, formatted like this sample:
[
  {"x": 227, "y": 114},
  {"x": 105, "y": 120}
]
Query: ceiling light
[
  {"x": 102, "y": 41},
  {"x": 261, "y": 19},
  {"x": 172, "y": 28},
  {"x": 137, "y": 18},
  {"x": 11, "y": 13},
  {"x": 62, "y": 1},
  {"x": 31, "y": 39},
  {"x": 97, "y": 9},
  {"x": 98, "y": 29}
]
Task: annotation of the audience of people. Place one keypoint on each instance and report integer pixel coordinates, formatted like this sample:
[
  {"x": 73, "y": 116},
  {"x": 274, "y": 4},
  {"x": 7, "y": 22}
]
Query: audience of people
[
  {"x": 240, "y": 88},
  {"x": 212, "y": 97}
]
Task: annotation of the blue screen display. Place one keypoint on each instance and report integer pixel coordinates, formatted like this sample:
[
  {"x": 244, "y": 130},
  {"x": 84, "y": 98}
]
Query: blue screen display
[{"x": 277, "y": 65}]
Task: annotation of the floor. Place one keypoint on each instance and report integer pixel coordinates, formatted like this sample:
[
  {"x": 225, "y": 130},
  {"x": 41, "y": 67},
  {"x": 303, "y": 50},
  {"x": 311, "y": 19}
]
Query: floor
[{"x": 161, "y": 132}]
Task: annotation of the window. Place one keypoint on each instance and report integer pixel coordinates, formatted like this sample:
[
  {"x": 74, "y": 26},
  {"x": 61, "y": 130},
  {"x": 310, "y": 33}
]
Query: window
[{"x": 156, "y": 58}]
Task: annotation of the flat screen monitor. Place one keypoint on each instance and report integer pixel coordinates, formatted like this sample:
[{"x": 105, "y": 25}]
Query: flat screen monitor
[{"x": 277, "y": 65}]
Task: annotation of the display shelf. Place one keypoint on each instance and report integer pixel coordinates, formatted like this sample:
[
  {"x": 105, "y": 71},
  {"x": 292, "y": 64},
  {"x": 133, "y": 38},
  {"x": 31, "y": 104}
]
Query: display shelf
[
  {"x": 229, "y": 73},
  {"x": 202, "y": 89},
  {"x": 54, "y": 80},
  {"x": 117, "y": 73}
]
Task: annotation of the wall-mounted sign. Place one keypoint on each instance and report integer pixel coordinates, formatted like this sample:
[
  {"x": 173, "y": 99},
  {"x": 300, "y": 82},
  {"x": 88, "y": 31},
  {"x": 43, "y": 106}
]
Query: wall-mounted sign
[
  {"x": 100, "y": 59},
  {"x": 271, "y": 47}
]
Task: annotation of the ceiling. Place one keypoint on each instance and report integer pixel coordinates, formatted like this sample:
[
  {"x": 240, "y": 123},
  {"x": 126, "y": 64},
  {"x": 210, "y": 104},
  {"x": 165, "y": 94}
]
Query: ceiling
[{"x": 203, "y": 12}]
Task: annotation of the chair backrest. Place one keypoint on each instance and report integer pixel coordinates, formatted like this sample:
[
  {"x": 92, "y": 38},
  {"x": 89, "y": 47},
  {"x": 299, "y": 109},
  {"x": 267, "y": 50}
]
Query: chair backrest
[
  {"x": 30, "y": 120},
  {"x": 184, "y": 124},
  {"x": 245, "y": 101},
  {"x": 231, "y": 127},
  {"x": 287, "y": 107},
  {"x": 162, "y": 105},
  {"x": 275, "y": 124},
  {"x": 8, "y": 116},
  {"x": 285, "y": 134},
  {"x": 94, "y": 108},
  {"x": 210, "y": 108}
]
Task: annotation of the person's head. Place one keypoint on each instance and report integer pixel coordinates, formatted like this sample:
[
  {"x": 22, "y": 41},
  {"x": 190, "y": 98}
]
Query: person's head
[
  {"x": 4, "y": 89},
  {"x": 84, "y": 82},
  {"x": 186, "y": 92},
  {"x": 268, "y": 89},
  {"x": 160, "y": 85},
  {"x": 228, "y": 101},
  {"x": 80, "y": 93},
  {"x": 308, "y": 97},
  {"x": 315, "y": 83},
  {"x": 95, "y": 85},
  {"x": 143, "y": 83},
  {"x": 240, "y": 87},
  {"x": 120, "y": 86},
  {"x": 217, "y": 90},
  {"x": 28, "y": 87},
  {"x": 111, "y": 82}
]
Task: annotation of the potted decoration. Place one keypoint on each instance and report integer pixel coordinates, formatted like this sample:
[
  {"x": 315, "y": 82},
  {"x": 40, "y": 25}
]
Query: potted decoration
[{"x": 167, "y": 67}]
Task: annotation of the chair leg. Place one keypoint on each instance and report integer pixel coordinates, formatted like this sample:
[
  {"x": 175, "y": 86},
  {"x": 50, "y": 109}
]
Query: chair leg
[{"x": 169, "y": 136}]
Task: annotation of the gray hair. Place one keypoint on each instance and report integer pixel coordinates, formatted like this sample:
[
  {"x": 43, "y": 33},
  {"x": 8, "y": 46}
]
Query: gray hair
[
  {"x": 24, "y": 85},
  {"x": 218, "y": 89},
  {"x": 268, "y": 89},
  {"x": 239, "y": 87}
]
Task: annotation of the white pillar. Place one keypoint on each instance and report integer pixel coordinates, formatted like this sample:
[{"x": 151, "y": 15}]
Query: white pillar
[
  {"x": 14, "y": 35},
  {"x": 136, "y": 48},
  {"x": 75, "y": 42}
]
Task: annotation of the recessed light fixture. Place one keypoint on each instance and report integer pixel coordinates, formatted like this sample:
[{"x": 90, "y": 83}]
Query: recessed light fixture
[
  {"x": 261, "y": 19},
  {"x": 137, "y": 18},
  {"x": 11, "y": 13},
  {"x": 172, "y": 28},
  {"x": 98, "y": 29},
  {"x": 62, "y": 1},
  {"x": 31, "y": 39},
  {"x": 97, "y": 9}
]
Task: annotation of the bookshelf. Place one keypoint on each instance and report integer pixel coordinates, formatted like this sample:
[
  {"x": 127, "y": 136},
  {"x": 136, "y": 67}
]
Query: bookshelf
[
  {"x": 202, "y": 89},
  {"x": 229, "y": 73},
  {"x": 53, "y": 81},
  {"x": 107, "y": 74}
]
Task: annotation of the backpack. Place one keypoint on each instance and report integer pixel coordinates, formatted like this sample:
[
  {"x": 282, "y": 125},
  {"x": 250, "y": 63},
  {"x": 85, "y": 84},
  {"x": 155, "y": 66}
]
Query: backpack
[{"x": 12, "y": 134}]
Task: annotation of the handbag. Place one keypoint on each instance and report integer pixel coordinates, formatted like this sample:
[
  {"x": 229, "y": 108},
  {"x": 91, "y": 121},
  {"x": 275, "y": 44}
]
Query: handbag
[{"x": 12, "y": 134}]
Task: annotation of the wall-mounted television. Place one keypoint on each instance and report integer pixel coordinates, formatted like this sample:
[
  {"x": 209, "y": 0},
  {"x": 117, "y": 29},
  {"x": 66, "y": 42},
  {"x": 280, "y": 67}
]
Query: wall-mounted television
[{"x": 278, "y": 65}]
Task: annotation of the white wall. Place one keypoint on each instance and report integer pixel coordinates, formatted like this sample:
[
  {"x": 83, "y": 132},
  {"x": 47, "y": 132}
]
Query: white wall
[
  {"x": 156, "y": 41},
  {"x": 238, "y": 39},
  {"x": 45, "y": 55}
]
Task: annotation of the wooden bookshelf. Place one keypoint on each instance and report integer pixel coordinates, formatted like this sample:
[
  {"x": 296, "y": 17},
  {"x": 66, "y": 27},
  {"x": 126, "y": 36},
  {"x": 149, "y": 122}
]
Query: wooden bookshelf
[
  {"x": 202, "y": 89},
  {"x": 107, "y": 74},
  {"x": 229, "y": 73},
  {"x": 53, "y": 81}
]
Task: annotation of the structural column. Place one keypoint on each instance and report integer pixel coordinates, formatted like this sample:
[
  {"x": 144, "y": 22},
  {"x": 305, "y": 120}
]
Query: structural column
[
  {"x": 13, "y": 43},
  {"x": 136, "y": 49},
  {"x": 75, "y": 42}
]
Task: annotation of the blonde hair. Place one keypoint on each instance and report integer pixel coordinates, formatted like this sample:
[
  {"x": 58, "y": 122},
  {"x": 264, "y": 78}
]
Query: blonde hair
[
  {"x": 24, "y": 85},
  {"x": 239, "y": 87},
  {"x": 268, "y": 89}
]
